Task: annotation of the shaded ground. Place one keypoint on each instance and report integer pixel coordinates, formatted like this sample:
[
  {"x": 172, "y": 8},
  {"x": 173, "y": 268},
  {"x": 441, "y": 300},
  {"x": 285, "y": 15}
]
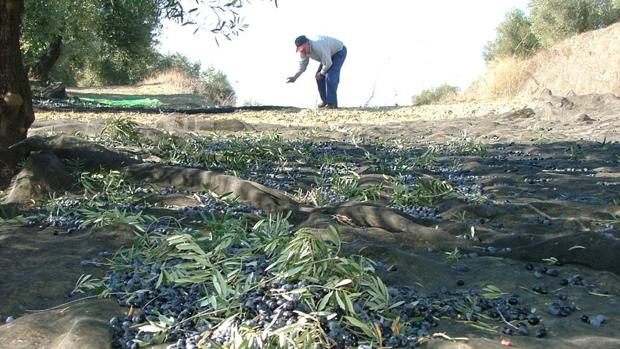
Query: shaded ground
[{"x": 531, "y": 181}]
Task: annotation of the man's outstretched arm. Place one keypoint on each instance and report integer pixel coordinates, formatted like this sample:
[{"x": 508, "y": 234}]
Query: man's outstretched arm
[{"x": 303, "y": 64}]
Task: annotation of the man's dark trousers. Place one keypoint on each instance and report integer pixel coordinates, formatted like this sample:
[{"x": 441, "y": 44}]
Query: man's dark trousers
[{"x": 328, "y": 86}]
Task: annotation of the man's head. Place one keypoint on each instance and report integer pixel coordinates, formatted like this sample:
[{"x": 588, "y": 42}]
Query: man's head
[{"x": 303, "y": 44}]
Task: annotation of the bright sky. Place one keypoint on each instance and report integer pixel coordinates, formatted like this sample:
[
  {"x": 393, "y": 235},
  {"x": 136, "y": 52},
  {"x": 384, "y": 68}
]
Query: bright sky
[{"x": 396, "y": 47}]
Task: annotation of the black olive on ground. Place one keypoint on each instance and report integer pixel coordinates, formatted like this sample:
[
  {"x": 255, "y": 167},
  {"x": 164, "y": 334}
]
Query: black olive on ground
[
  {"x": 541, "y": 332},
  {"x": 533, "y": 320},
  {"x": 507, "y": 330},
  {"x": 542, "y": 289}
]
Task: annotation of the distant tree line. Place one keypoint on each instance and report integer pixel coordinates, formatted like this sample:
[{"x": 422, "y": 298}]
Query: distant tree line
[
  {"x": 101, "y": 42},
  {"x": 434, "y": 95},
  {"x": 549, "y": 22}
]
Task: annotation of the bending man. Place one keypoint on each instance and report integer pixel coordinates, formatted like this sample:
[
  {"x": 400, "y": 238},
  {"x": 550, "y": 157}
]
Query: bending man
[{"x": 330, "y": 53}]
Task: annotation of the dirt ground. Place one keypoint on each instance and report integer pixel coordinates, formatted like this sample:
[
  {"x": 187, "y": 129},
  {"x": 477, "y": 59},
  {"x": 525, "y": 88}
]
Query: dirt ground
[{"x": 544, "y": 176}]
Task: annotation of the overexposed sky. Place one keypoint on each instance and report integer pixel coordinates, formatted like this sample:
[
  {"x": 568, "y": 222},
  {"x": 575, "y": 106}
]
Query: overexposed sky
[{"x": 396, "y": 47}]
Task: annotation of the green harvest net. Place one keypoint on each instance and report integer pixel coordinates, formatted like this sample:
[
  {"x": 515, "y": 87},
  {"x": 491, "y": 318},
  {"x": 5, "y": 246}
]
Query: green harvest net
[{"x": 133, "y": 102}]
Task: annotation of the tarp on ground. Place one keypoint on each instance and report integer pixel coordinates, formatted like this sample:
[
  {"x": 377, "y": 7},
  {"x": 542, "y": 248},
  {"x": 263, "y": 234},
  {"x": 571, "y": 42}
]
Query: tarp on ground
[{"x": 130, "y": 102}]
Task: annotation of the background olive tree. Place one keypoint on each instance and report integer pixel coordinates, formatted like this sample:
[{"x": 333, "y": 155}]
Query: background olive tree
[
  {"x": 549, "y": 21},
  {"x": 555, "y": 20},
  {"x": 99, "y": 22},
  {"x": 217, "y": 89},
  {"x": 90, "y": 41},
  {"x": 107, "y": 42},
  {"x": 514, "y": 37},
  {"x": 435, "y": 95}
]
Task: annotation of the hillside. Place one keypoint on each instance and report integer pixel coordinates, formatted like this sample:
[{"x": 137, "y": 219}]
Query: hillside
[{"x": 584, "y": 64}]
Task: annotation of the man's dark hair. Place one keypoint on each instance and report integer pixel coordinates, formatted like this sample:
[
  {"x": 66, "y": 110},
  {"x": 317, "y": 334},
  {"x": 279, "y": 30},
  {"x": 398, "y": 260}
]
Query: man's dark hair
[{"x": 302, "y": 39}]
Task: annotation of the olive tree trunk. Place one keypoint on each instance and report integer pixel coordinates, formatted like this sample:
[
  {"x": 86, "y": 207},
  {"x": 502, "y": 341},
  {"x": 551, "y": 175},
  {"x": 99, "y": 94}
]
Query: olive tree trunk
[
  {"x": 16, "y": 114},
  {"x": 48, "y": 60}
]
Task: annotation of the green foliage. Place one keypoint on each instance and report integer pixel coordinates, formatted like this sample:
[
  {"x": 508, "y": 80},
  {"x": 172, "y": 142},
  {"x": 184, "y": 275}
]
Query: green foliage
[
  {"x": 122, "y": 130},
  {"x": 575, "y": 153},
  {"x": 103, "y": 41},
  {"x": 346, "y": 186},
  {"x": 103, "y": 188},
  {"x": 425, "y": 193},
  {"x": 492, "y": 292},
  {"x": 433, "y": 95},
  {"x": 214, "y": 262},
  {"x": 233, "y": 154},
  {"x": 102, "y": 216},
  {"x": 108, "y": 199},
  {"x": 10, "y": 214},
  {"x": 41, "y": 22},
  {"x": 426, "y": 159},
  {"x": 127, "y": 30},
  {"x": 107, "y": 42},
  {"x": 550, "y": 21},
  {"x": 468, "y": 147},
  {"x": 514, "y": 37},
  {"x": 454, "y": 255},
  {"x": 554, "y": 20},
  {"x": 217, "y": 88},
  {"x": 86, "y": 283},
  {"x": 177, "y": 61},
  {"x": 429, "y": 191}
]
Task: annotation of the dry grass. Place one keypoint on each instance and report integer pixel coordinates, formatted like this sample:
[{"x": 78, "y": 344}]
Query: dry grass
[
  {"x": 584, "y": 64},
  {"x": 169, "y": 82},
  {"x": 175, "y": 81},
  {"x": 504, "y": 78},
  {"x": 451, "y": 98}
]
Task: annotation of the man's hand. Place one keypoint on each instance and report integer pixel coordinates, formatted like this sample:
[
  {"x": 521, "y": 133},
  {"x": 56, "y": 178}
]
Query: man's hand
[
  {"x": 319, "y": 76},
  {"x": 291, "y": 79}
]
